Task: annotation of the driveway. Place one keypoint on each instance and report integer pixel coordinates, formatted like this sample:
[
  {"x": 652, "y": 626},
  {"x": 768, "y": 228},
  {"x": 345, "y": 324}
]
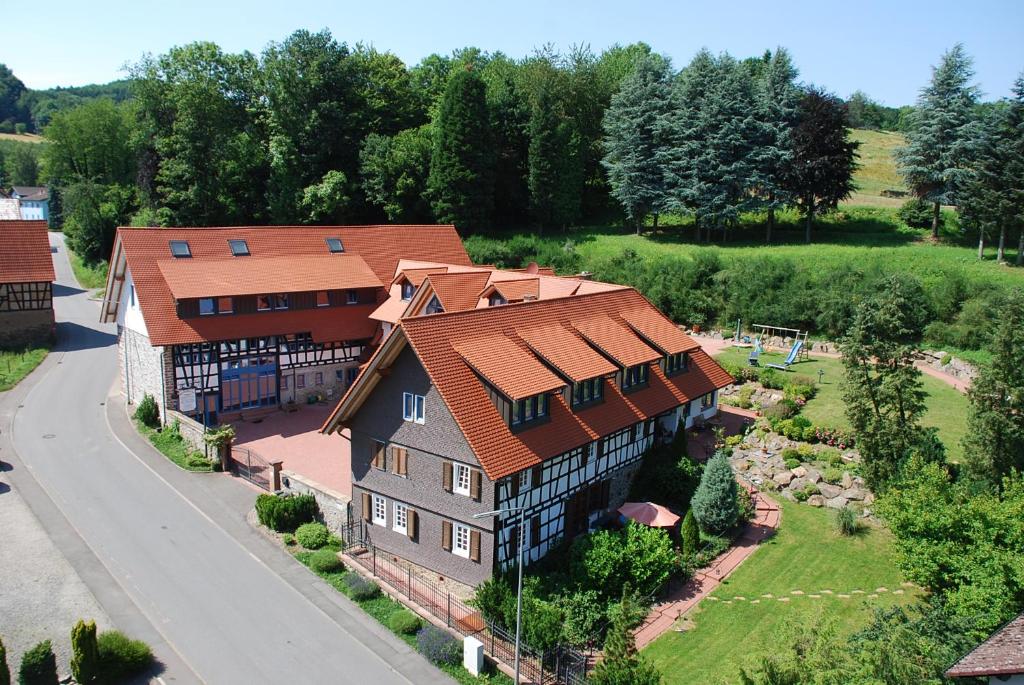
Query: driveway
[{"x": 221, "y": 604}]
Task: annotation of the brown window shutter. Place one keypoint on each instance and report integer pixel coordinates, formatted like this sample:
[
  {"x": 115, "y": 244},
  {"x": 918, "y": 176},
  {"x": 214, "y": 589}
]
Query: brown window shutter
[
  {"x": 535, "y": 531},
  {"x": 474, "y": 484},
  {"x": 446, "y": 535},
  {"x": 447, "y": 469},
  {"x": 474, "y": 545},
  {"x": 378, "y": 454},
  {"x": 412, "y": 522},
  {"x": 366, "y": 506},
  {"x": 393, "y": 457},
  {"x": 538, "y": 476},
  {"x": 402, "y": 462},
  {"x": 513, "y": 484}
]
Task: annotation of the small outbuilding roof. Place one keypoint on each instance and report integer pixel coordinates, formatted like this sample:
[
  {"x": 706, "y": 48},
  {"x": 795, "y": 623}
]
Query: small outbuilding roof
[{"x": 1001, "y": 654}]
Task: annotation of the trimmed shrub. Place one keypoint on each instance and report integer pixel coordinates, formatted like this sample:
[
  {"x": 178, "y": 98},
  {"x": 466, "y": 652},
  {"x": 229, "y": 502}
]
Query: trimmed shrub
[
  {"x": 491, "y": 598},
  {"x": 770, "y": 379},
  {"x": 312, "y": 535},
  {"x": 147, "y": 413},
  {"x": 916, "y": 213},
  {"x": 780, "y": 411},
  {"x": 690, "y": 535},
  {"x": 326, "y": 561},
  {"x": 714, "y": 504},
  {"x": 85, "y": 654},
  {"x": 404, "y": 622},
  {"x": 846, "y": 521},
  {"x": 831, "y": 456},
  {"x": 38, "y": 666},
  {"x": 288, "y": 539},
  {"x": 438, "y": 646},
  {"x": 360, "y": 588},
  {"x": 790, "y": 453},
  {"x": 121, "y": 657},
  {"x": 285, "y": 513},
  {"x": 5, "y": 671},
  {"x": 196, "y": 460},
  {"x": 832, "y": 475}
]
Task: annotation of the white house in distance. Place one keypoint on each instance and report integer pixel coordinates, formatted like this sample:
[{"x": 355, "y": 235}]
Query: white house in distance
[{"x": 35, "y": 202}]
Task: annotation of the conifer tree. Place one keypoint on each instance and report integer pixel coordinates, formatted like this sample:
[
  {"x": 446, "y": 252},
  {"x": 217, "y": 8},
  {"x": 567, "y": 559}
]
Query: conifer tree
[
  {"x": 632, "y": 139},
  {"x": 715, "y": 504},
  {"x": 777, "y": 98},
  {"x": 622, "y": 665},
  {"x": 994, "y": 444},
  {"x": 553, "y": 162},
  {"x": 933, "y": 163},
  {"x": 85, "y": 654},
  {"x": 461, "y": 181},
  {"x": 5, "y": 670},
  {"x": 690, "y": 534},
  {"x": 823, "y": 156}
]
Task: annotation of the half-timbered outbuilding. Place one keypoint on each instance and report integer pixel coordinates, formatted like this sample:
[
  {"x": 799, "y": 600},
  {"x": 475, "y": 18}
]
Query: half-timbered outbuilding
[
  {"x": 547, "y": 404},
  {"x": 26, "y": 284}
]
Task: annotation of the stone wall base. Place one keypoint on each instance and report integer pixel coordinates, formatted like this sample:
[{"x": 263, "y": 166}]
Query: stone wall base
[{"x": 19, "y": 330}]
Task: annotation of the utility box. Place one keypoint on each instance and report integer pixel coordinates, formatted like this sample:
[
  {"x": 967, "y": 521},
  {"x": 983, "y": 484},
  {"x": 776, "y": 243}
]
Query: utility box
[{"x": 473, "y": 655}]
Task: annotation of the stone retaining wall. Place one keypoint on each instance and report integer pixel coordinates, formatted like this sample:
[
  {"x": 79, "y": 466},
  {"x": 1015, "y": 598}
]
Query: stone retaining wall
[
  {"x": 191, "y": 430},
  {"x": 29, "y": 328},
  {"x": 333, "y": 505}
]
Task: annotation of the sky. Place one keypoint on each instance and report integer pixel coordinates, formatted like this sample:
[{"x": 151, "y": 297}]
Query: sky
[{"x": 883, "y": 48}]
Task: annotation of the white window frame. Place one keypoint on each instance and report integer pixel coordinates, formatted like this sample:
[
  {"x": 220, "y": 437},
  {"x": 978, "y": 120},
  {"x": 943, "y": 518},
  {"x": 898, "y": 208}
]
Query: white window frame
[
  {"x": 413, "y": 407},
  {"x": 462, "y": 474},
  {"x": 400, "y": 518},
  {"x": 460, "y": 540},
  {"x": 524, "y": 480},
  {"x": 379, "y": 505}
]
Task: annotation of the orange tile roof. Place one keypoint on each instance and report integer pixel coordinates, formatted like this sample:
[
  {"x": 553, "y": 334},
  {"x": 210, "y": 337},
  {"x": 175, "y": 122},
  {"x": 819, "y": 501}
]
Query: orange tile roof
[
  {"x": 25, "y": 252},
  {"x": 391, "y": 309},
  {"x": 187, "y": 278},
  {"x": 656, "y": 328},
  {"x": 508, "y": 367},
  {"x": 438, "y": 339},
  {"x": 615, "y": 340},
  {"x": 416, "y": 276},
  {"x": 458, "y": 291},
  {"x": 517, "y": 290},
  {"x": 561, "y": 348},
  {"x": 380, "y": 247}
]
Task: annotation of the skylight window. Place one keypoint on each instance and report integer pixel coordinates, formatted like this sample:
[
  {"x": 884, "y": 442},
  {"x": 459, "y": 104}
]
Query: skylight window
[
  {"x": 334, "y": 245},
  {"x": 180, "y": 248},
  {"x": 239, "y": 248}
]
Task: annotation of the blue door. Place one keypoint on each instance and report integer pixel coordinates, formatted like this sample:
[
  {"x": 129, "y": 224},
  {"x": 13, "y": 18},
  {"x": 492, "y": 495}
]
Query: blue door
[{"x": 248, "y": 382}]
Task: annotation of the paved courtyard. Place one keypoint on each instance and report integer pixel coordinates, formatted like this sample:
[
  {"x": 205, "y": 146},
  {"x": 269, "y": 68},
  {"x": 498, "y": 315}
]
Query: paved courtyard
[{"x": 295, "y": 439}]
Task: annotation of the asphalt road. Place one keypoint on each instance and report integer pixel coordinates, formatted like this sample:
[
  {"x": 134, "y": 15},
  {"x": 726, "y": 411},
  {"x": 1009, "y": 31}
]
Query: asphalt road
[{"x": 229, "y": 607}]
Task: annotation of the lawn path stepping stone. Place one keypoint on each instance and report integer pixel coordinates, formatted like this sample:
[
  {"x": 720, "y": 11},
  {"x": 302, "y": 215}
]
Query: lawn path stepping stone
[{"x": 796, "y": 592}]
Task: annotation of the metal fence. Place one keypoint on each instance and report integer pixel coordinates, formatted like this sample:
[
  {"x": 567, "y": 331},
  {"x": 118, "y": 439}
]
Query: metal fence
[
  {"x": 251, "y": 466},
  {"x": 560, "y": 665}
]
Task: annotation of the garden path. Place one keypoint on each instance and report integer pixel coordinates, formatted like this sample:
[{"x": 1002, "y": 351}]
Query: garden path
[{"x": 665, "y": 613}]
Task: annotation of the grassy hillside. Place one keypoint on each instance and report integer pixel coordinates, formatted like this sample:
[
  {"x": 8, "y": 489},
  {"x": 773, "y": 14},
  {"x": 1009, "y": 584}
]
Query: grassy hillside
[
  {"x": 877, "y": 170},
  {"x": 22, "y": 137},
  {"x": 805, "y": 571}
]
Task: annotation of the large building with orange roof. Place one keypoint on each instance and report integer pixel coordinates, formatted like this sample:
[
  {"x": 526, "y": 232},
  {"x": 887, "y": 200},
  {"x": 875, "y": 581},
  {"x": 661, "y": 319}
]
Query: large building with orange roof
[
  {"x": 510, "y": 389},
  {"x": 26, "y": 284}
]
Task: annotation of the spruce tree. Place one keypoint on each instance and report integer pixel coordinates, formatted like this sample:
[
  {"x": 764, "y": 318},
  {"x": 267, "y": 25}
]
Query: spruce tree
[
  {"x": 690, "y": 535},
  {"x": 777, "y": 97},
  {"x": 85, "y": 654},
  {"x": 553, "y": 162},
  {"x": 621, "y": 664},
  {"x": 632, "y": 139},
  {"x": 715, "y": 504},
  {"x": 933, "y": 163},
  {"x": 823, "y": 156},
  {"x": 461, "y": 181},
  {"x": 5, "y": 671},
  {"x": 994, "y": 444}
]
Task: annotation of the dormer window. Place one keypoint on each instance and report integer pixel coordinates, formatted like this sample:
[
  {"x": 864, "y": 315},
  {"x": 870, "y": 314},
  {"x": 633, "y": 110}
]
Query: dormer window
[
  {"x": 590, "y": 390},
  {"x": 434, "y": 306},
  {"x": 207, "y": 306},
  {"x": 239, "y": 248},
  {"x": 180, "y": 249},
  {"x": 635, "y": 376},
  {"x": 335, "y": 245},
  {"x": 676, "y": 363},
  {"x": 496, "y": 300},
  {"x": 529, "y": 409},
  {"x": 408, "y": 290}
]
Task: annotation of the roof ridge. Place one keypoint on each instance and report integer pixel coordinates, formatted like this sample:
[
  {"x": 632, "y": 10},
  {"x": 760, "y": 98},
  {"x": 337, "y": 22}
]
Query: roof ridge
[{"x": 548, "y": 302}]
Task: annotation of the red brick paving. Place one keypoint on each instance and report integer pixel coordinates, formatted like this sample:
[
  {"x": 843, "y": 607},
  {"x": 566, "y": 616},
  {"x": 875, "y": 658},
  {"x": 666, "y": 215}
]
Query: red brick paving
[
  {"x": 665, "y": 613},
  {"x": 295, "y": 439}
]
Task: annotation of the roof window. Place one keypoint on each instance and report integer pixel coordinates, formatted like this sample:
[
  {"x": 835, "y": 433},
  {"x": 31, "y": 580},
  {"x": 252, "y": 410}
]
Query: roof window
[
  {"x": 239, "y": 248},
  {"x": 180, "y": 248},
  {"x": 335, "y": 245}
]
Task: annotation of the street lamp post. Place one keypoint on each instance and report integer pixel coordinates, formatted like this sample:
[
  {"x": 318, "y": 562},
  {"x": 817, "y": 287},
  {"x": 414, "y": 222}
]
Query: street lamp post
[{"x": 519, "y": 589}]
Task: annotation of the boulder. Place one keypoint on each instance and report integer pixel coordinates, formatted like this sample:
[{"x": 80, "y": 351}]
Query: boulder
[
  {"x": 742, "y": 465},
  {"x": 855, "y": 494},
  {"x": 836, "y": 502},
  {"x": 799, "y": 472},
  {"x": 829, "y": 490},
  {"x": 788, "y": 494},
  {"x": 858, "y": 482},
  {"x": 816, "y": 501},
  {"x": 869, "y": 498},
  {"x": 783, "y": 477},
  {"x": 813, "y": 474},
  {"x": 847, "y": 481},
  {"x": 798, "y": 484}
]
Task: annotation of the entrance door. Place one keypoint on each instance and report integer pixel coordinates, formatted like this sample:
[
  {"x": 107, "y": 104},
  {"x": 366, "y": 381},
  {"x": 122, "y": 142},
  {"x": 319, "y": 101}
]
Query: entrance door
[{"x": 248, "y": 382}]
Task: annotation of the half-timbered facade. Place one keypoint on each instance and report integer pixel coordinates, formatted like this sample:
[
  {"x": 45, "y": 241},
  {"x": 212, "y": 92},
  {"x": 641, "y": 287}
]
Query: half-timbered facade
[
  {"x": 216, "y": 322},
  {"x": 547, "y": 404},
  {"x": 26, "y": 284}
]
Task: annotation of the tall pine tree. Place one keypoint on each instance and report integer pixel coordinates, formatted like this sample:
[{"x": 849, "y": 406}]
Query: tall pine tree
[
  {"x": 622, "y": 665},
  {"x": 461, "y": 181},
  {"x": 777, "y": 97},
  {"x": 823, "y": 156},
  {"x": 632, "y": 139},
  {"x": 934, "y": 161},
  {"x": 555, "y": 172}
]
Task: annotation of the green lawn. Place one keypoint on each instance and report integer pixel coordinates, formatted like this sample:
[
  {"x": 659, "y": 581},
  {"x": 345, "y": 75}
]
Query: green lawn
[
  {"x": 170, "y": 444},
  {"x": 947, "y": 408},
  {"x": 805, "y": 556},
  {"x": 90, "y": 276},
  {"x": 877, "y": 169},
  {"x": 14, "y": 366}
]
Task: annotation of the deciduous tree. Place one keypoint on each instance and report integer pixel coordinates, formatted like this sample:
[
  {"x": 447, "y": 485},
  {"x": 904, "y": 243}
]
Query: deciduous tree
[{"x": 394, "y": 172}]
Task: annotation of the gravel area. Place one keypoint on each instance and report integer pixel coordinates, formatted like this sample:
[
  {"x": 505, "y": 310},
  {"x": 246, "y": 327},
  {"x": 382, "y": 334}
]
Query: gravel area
[{"x": 41, "y": 596}]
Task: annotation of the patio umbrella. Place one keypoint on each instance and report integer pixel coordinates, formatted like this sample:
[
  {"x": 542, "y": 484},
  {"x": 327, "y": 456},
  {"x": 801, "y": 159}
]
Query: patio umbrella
[{"x": 649, "y": 514}]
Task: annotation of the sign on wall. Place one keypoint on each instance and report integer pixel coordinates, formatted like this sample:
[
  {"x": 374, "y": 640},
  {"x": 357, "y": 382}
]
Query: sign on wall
[{"x": 187, "y": 400}]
